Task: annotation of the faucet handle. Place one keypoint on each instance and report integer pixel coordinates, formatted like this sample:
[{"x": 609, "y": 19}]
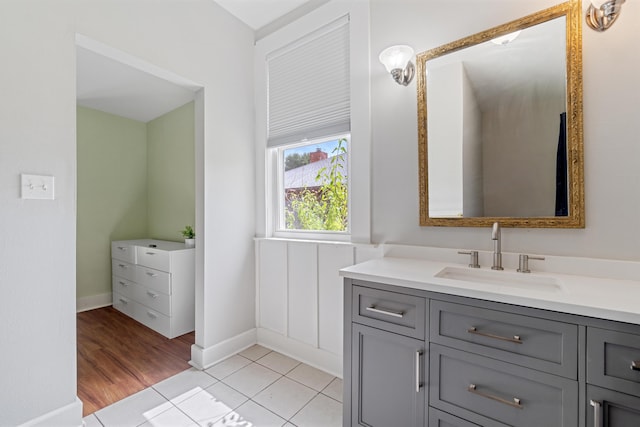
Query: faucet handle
[
  {"x": 473, "y": 259},
  {"x": 523, "y": 262}
]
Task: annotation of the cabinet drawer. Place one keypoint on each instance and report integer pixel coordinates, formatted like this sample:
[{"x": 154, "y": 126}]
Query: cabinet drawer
[
  {"x": 123, "y": 269},
  {"x": 442, "y": 419},
  {"x": 394, "y": 312},
  {"x": 491, "y": 392},
  {"x": 124, "y": 287},
  {"x": 153, "y": 319},
  {"x": 153, "y": 258},
  {"x": 123, "y": 304},
  {"x": 154, "y": 279},
  {"x": 154, "y": 300},
  {"x": 123, "y": 251},
  {"x": 536, "y": 343},
  {"x": 610, "y": 360}
]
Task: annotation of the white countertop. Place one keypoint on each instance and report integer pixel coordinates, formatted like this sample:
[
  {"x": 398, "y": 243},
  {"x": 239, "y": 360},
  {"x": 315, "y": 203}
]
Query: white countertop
[{"x": 613, "y": 299}]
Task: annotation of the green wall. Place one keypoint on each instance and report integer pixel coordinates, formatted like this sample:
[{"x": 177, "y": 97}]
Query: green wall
[
  {"x": 135, "y": 180},
  {"x": 111, "y": 193},
  {"x": 171, "y": 173}
]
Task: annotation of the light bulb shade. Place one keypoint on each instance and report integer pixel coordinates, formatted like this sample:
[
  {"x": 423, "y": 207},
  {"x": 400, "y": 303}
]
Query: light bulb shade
[{"x": 396, "y": 57}]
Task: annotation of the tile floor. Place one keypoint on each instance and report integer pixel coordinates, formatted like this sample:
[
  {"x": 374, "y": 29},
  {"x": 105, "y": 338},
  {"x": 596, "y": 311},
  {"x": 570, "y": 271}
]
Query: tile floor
[{"x": 255, "y": 388}]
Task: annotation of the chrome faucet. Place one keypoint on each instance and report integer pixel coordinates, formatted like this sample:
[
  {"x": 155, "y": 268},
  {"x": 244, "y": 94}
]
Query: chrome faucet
[{"x": 497, "y": 248}]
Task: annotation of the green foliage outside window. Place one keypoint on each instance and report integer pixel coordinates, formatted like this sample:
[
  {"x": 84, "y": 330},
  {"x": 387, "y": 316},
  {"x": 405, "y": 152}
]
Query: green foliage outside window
[
  {"x": 296, "y": 160},
  {"x": 327, "y": 207}
]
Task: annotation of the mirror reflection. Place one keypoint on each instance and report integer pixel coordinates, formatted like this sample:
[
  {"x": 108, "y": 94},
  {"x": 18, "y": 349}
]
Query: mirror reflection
[{"x": 495, "y": 119}]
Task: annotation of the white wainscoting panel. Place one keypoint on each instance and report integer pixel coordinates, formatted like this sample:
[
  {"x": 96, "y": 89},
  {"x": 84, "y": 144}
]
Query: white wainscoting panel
[
  {"x": 300, "y": 297},
  {"x": 332, "y": 258},
  {"x": 272, "y": 289},
  {"x": 302, "y": 265}
]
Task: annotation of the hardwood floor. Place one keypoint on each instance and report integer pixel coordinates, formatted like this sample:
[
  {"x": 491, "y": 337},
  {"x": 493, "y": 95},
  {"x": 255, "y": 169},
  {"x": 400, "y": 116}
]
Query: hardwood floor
[{"x": 118, "y": 357}]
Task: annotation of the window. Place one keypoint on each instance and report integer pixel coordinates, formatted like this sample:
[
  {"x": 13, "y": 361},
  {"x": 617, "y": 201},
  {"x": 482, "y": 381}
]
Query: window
[
  {"x": 312, "y": 87},
  {"x": 313, "y": 190}
]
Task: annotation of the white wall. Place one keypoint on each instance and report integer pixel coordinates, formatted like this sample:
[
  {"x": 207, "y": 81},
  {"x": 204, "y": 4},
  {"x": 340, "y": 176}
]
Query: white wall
[
  {"x": 445, "y": 126},
  {"x": 526, "y": 154},
  {"x": 473, "y": 194},
  {"x": 611, "y": 66},
  {"x": 37, "y": 135}
]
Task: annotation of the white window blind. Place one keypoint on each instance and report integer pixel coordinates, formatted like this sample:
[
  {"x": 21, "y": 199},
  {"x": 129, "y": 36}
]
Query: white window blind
[{"x": 308, "y": 86}]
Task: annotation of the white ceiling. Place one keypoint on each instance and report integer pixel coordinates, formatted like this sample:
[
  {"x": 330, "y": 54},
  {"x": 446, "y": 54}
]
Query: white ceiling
[
  {"x": 258, "y": 13},
  {"x": 109, "y": 85}
]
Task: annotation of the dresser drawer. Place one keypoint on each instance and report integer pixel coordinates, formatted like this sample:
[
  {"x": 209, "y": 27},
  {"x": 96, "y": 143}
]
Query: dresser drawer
[
  {"x": 153, "y": 258},
  {"x": 613, "y": 360},
  {"x": 123, "y": 251},
  {"x": 536, "y": 343},
  {"x": 124, "y": 287},
  {"x": 153, "y": 319},
  {"x": 394, "y": 312},
  {"x": 490, "y": 392},
  {"x": 154, "y": 300},
  {"x": 124, "y": 304},
  {"x": 123, "y": 269},
  {"x": 154, "y": 279}
]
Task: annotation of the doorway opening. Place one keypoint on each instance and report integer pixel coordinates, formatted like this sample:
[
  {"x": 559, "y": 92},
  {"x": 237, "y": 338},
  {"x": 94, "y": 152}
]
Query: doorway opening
[{"x": 138, "y": 130}]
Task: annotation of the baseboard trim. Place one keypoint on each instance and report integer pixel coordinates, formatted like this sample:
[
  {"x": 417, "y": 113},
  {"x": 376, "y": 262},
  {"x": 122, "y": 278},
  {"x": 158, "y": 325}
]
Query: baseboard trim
[
  {"x": 316, "y": 357},
  {"x": 93, "y": 301},
  {"x": 203, "y": 358},
  {"x": 68, "y": 415}
]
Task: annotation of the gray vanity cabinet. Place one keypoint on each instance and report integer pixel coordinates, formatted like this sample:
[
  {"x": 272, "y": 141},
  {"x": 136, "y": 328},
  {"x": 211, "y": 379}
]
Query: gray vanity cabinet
[{"x": 420, "y": 358}]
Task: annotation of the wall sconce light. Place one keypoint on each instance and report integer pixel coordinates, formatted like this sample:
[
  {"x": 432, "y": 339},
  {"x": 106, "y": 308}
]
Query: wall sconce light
[
  {"x": 397, "y": 61},
  {"x": 601, "y": 14}
]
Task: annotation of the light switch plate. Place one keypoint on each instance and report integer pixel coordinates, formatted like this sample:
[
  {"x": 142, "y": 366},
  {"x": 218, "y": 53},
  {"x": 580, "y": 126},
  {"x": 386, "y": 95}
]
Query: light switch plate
[{"x": 37, "y": 187}]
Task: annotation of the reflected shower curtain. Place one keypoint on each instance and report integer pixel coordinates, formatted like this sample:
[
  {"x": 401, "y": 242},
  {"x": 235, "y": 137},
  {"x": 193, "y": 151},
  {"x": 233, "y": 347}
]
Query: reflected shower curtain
[{"x": 562, "y": 199}]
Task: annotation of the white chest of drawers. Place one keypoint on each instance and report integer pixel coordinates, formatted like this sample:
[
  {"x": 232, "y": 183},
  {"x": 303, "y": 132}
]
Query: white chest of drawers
[{"x": 153, "y": 281}]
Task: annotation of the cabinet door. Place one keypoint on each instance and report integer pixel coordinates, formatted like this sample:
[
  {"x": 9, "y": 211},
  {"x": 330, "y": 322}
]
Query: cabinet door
[
  {"x": 388, "y": 377},
  {"x": 607, "y": 408}
]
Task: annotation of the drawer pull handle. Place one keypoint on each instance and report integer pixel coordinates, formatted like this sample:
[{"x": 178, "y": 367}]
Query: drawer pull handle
[
  {"x": 635, "y": 365},
  {"x": 150, "y": 253},
  {"x": 516, "y": 338},
  {"x": 122, "y": 265},
  {"x": 151, "y": 274},
  {"x": 124, "y": 301},
  {"x": 386, "y": 311},
  {"x": 152, "y": 295},
  {"x": 152, "y": 315},
  {"x": 123, "y": 284},
  {"x": 597, "y": 407},
  {"x": 418, "y": 383},
  {"x": 122, "y": 248},
  {"x": 514, "y": 402}
]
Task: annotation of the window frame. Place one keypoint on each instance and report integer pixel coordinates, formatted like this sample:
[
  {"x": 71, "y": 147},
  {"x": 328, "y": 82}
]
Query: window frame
[{"x": 278, "y": 208}]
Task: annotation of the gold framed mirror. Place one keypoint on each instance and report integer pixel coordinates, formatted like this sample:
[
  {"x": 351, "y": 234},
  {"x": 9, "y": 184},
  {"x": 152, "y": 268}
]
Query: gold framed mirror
[{"x": 500, "y": 125}]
